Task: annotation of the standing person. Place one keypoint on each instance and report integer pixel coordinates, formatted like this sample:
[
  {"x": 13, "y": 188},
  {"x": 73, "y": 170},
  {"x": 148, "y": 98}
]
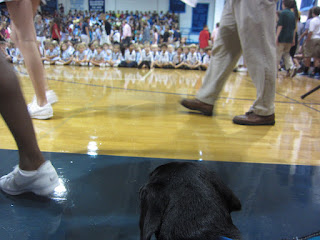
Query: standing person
[
  {"x": 24, "y": 37},
  {"x": 126, "y": 33},
  {"x": 33, "y": 174},
  {"x": 286, "y": 36},
  {"x": 40, "y": 29},
  {"x": 306, "y": 48},
  {"x": 108, "y": 29},
  {"x": 146, "y": 34},
  {"x": 85, "y": 34},
  {"x": 298, "y": 30},
  {"x": 166, "y": 35},
  {"x": 176, "y": 36},
  {"x": 55, "y": 31},
  {"x": 204, "y": 37},
  {"x": 313, "y": 39},
  {"x": 155, "y": 36},
  {"x": 215, "y": 32},
  {"x": 239, "y": 20}
]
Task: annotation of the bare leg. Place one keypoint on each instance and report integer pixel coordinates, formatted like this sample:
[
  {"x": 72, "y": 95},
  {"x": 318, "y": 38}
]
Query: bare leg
[
  {"x": 21, "y": 13},
  {"x": 14, "y": 111}
]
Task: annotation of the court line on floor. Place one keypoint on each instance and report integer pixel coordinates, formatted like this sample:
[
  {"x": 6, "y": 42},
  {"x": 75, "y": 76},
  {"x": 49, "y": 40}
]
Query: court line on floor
[
  {"x": 147, "y": 75},
  {"x": 293, "y": 101},
  {"x": 178, "y": 94},
  {"x": 298, "y": 102}
]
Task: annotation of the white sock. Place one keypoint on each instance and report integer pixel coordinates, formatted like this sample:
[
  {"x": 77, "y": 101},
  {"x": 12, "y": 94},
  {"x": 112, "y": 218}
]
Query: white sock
[{"x": 28, "y": 173}]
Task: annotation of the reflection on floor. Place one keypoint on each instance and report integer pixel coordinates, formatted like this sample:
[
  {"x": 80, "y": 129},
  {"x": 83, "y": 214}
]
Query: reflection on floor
[
  {"x": 131, "y": 112},
  {"x": 134, "y": 115},
  {"x": 101, "y": 199}
]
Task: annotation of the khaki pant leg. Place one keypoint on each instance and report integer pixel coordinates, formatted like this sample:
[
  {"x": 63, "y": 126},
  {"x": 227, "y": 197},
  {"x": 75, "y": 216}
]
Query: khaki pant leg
[
  {"x": 286, "y": 56},
  {"x": 225, "y": 54},
  {"x": 280, "y": 49},
  {"x": 256, "y": 22}
]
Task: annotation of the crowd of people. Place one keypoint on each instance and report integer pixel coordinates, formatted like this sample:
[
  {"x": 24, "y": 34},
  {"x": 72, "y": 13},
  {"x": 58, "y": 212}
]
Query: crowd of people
[
  {"x": 118, "y": 55},
  {"x": 142, "y": 39},
  {"x": 111, "y": 39}
]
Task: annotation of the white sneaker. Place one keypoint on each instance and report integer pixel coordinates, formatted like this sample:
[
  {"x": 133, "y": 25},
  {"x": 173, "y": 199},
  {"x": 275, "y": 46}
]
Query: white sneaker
[
  {"x": 102, "y": 65},
  {"x": 46, "y": 62},
  {"x": 292, "y": 71},
  {"x": 59, "y": 63},
  {"x": 38, "y": 112},
  {"x": 51, "y": 97},
  {"x": 42, "y": 182}
]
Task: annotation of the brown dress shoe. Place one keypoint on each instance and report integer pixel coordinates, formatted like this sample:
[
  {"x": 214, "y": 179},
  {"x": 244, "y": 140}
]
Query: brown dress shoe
[
  {"x": 195, "y": 104},
  {"x": 253, "y": 119}
]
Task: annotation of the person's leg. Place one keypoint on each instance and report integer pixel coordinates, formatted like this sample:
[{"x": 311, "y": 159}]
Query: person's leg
[
  {"x": 287, "y": 57},
  {"x": 225, "y": 54},
  {"x": 280, "y": 49},
  {"x": 14, "y": 111},
  {"x": 259, "y": 52},
  {"x": 21, "y": 13},
  {"x": 34, "y": 174}
]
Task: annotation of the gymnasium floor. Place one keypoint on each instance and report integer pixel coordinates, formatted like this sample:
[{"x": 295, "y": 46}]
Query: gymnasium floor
[{"x": 113, "y": 126}]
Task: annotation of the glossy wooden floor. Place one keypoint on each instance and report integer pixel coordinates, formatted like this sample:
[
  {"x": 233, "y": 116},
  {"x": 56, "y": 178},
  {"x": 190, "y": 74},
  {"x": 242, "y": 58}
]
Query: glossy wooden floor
[{"x": 130, "y": 112}]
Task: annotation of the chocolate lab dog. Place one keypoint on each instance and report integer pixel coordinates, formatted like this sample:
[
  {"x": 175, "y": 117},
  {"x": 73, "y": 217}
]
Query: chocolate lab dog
[{"x": 186, "y": 201}]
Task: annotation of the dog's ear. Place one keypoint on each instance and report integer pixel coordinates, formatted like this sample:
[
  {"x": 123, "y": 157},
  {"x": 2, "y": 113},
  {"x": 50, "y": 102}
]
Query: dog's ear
[
  {"x": 233, "y": 203},
  {"x": 152, "y": 206}
]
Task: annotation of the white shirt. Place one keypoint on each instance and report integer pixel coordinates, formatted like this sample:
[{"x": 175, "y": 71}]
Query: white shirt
[
  {"x": 163, "y": 57},
  {"x": 206, "y": 59},
  {"x": 98, "y": 56},
  {"x": 315, "y": 28},
  {"x": 130, "y": 56},
  {"x": 146, "y": 57},
  {"x": 215, "y": 34},
  {"x": 193, "y": 58},
  {"x": 116, "y": 36},
  {"x": 177, "y": 58}
]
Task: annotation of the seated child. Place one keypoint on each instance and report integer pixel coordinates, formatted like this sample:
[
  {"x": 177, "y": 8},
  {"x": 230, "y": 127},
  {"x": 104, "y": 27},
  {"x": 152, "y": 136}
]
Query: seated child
[
  {"x": 184, "y": 63},
  {"x": 162, "y": 60},
  {"x": 65, "y": 57},
  {"x": 206, "y": 59},
  {"x": 154, "y": 51},
  {"x": 52, "y": 55},
  {"x": 16, "y": 55},
  {"x": 193, "y": 58},
  {"x": 116, "y": 56},
  {"x": 138, "y": 52},
  {"x": 90, "y": 51},
  {"x": 129, "y": 57},
  {"x": 70, "y": 48},
  {"x": 98, "y": 58},
  {"x": 171, "y": 52},
  {"x": 146, "y": 60},
  {"x": 81, "y": 56},
  {"x": 5, "y": 51},
  {"x": 178, "y": 57},
  {"x": 108, "y": 57}
]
